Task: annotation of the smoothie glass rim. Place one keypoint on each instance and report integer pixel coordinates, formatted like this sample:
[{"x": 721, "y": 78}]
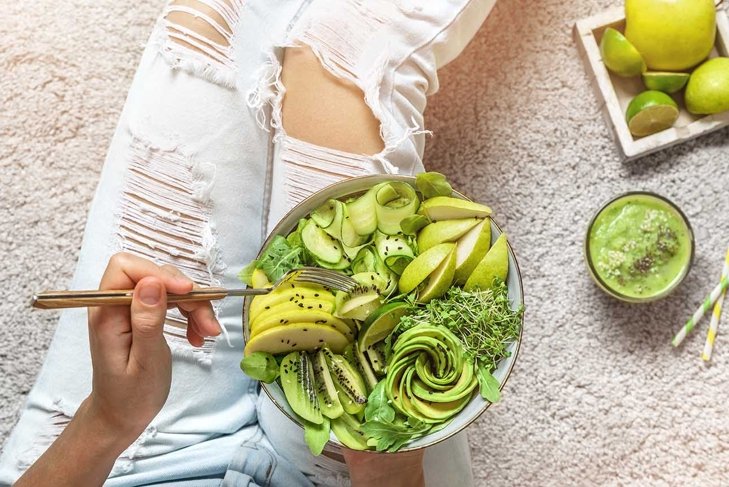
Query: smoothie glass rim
[{"x": 617, "y": 294}]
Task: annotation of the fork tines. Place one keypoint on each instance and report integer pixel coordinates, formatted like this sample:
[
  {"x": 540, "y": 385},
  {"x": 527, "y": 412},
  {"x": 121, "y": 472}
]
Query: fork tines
[{"x": 327, "y": 278}]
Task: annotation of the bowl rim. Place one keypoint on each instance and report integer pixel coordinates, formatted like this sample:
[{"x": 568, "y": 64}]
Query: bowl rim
[
  {"x": 374, "y": 179},
  {"x": 601, "y": 282}
]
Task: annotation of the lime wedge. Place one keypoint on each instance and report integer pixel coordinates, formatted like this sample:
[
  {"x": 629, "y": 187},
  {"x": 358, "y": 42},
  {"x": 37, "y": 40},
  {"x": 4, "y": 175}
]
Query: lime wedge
[
  {"x": 665, "y": 81},
  {"x": 619, "y": 55},
  {"x": 380, "y": 323},
  {"x": 651, "y": 112}
]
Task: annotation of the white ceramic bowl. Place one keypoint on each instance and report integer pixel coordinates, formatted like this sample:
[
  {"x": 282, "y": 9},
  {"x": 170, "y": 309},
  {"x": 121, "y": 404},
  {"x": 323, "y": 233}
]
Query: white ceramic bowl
[{"x": 354, "y": 187}]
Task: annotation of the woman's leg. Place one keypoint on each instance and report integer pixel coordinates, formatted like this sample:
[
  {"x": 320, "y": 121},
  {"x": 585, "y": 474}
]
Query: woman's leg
[
  {"x": 183, "y": 184},
  {"x": 355, "y": 93},
  {"x": 187, "y": 182}
]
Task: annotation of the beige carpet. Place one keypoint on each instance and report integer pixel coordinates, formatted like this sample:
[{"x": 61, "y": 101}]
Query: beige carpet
[{"x": 598, "y": 395}]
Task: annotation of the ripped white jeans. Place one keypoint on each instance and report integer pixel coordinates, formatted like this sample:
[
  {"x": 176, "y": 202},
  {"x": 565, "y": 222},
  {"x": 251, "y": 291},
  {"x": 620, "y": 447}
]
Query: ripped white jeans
[{"x": 198, "y": 171}]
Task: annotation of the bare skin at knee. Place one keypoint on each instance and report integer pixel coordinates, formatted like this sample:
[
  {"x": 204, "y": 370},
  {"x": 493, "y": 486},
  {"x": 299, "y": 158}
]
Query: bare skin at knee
[{"x": 324, "y": 110}]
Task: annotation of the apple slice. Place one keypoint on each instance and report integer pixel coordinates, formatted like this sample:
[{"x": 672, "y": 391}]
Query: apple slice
[
  {"x": 444, "y": 231},
  {"x": 448, "y": 208},
  {"x": 494, "y": 265},
  {"x": 471, "y": 248},
  {"x": 423, "y": 265},
  {"x": 440, "y": 280},
  {"x": 259, "y": 279}
]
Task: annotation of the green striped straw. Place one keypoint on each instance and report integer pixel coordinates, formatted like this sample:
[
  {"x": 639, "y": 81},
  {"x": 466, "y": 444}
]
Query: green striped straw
[
  {"x": 715, "y": 315},
  {"x": 708, "y": 303}
]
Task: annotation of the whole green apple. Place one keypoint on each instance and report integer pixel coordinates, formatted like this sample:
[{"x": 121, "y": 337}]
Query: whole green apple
[
  {"x": 671, "y": 35},
  {"x": 707, "y": 91}
]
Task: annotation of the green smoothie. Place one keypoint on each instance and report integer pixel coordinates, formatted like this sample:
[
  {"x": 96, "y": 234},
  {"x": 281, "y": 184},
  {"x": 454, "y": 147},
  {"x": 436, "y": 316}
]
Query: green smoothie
[{"x": 640, "y": 246}]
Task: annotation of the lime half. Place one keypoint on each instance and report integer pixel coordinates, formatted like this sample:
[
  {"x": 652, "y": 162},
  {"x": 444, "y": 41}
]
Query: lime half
[
  {"x": 651, "y": 112},
  {"x": 380, "y": 323},
  {"x": 619, "y": 55},
  {"x": 665, "y": 81}
]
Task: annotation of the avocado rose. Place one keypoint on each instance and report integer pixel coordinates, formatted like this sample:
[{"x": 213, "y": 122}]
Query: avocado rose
[{"x": 429, "y": 378}]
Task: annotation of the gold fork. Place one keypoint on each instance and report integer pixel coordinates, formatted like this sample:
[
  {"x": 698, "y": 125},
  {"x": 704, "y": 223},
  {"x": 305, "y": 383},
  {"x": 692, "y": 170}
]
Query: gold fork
[{"x": 82, "y": 299}]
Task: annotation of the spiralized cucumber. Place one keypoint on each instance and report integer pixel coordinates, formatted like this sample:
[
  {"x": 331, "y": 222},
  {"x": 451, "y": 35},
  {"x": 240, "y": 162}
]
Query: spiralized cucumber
[
  {"x": 394, "y": 251},
  {"x": 394, "y": 202}
]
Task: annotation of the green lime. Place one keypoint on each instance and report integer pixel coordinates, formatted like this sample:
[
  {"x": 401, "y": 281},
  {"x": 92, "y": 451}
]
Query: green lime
[
  {"x": 380, "y": 323},
  {"x": 665, "y": 81},
  {"x": 651, "y": 112},
  {"x": 619, "y": 55}
]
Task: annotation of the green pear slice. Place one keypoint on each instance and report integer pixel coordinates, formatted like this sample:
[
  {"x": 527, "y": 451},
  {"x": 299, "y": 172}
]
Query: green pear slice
[
  {"x": 471, "y": 248},
  {"x": 495, "y": 264},
  {"x": 444, "y": 231},
  {"x": 441, "y": 279},
  {"x": 448, "y": 208},
  {"x": 423, "y": 265},
  {"x": 296, "y": 336}
]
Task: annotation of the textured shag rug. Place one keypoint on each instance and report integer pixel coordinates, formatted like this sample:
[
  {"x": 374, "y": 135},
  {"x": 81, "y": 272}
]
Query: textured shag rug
[{"x": 598, "y": 395}]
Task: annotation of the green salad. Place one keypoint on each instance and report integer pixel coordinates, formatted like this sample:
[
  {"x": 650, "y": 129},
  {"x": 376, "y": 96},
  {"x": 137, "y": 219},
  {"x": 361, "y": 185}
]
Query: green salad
[{"x": 402, "y": 354}]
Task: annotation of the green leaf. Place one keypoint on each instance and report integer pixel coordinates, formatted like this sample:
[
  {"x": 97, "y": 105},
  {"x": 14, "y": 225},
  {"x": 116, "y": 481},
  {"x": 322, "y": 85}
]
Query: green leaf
[
  {"x": 412, "y": 224},
  {"x": 260, "y": 366},
  {"x": 316, "y": 435},
  {"x": 378, "y": 407},
  {"x": 432, "y": 184},
  {"x": 246, "y": 274},
  {"x": 279, "y": 258},
  {"x": 488, "y": 383},
  {"x": 391, "y": 436}
]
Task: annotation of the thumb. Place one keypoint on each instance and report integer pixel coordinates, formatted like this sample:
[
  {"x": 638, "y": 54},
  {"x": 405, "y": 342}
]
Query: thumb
[{"x": 149, "y": 308}]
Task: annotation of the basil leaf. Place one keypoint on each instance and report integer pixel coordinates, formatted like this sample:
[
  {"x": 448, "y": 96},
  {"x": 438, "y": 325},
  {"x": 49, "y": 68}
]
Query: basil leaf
[
  {"x": 488, "y": 383},
  {"x": 412, "y": 224},
  {"x": 316, "y": 435},
  {"x": 432, "y": 184},
  {"x": 260, "y": 366}
]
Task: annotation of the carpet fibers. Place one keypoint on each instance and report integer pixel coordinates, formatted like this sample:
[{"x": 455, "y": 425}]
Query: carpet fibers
[{"x": 598, "y": 396}]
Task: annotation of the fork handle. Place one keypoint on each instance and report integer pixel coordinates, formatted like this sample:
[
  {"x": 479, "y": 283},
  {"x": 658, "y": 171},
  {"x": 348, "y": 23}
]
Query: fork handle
[{"x": 83, "y": 299}]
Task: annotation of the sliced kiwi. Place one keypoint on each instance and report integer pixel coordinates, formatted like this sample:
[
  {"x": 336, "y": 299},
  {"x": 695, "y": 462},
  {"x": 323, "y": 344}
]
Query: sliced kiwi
[
  {"x": 364, "y": 368},
  {"x": 329, "y": 402},
  {"x": 350, "y": 382},
  {"x": 297, "y": 381},
  {"x": 376, "y": 355}
]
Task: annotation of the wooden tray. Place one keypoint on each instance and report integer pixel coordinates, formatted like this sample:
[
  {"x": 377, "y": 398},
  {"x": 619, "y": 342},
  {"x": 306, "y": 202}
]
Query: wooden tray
[{"x": 615, "y": 92}]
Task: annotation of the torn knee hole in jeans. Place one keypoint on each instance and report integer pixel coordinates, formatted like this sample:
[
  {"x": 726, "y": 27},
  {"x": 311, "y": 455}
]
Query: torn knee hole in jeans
[
  {"x": 197, "y": 37},
  {"x": 58, "y": 417},
  {"x": 348, "y": 37},
  {"x": 165, "y": 217}
]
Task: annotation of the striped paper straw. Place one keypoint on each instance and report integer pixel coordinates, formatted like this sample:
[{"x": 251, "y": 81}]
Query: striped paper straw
[
  {"x": 716, "y": 315},
  {"x": 708, "y": 303}
]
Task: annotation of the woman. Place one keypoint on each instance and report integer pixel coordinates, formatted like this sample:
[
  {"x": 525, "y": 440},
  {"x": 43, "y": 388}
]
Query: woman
[{"x": 237, "y": 112}]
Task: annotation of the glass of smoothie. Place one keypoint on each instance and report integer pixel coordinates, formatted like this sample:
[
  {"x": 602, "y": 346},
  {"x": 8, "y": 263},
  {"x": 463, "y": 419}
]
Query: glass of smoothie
[{"x": 639, "y": 247}]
